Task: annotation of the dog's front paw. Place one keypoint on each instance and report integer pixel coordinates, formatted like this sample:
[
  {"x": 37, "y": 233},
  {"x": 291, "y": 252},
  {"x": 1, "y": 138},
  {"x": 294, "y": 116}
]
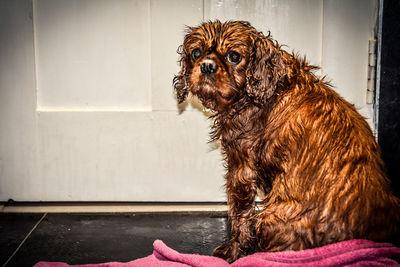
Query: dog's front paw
[{"x": 229, "y": 251}]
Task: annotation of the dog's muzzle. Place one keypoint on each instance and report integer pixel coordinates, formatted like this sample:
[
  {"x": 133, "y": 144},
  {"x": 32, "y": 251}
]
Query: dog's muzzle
[{"x": 208, "y": 66}]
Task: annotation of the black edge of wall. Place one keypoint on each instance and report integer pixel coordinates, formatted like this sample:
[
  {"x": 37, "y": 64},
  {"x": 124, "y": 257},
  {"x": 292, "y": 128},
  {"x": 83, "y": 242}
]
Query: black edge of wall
[{"x": 389, "y": 95}]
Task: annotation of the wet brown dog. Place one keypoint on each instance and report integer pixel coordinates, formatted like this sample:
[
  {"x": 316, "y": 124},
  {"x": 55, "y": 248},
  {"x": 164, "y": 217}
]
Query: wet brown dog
[{"x": 284, "y": 131}]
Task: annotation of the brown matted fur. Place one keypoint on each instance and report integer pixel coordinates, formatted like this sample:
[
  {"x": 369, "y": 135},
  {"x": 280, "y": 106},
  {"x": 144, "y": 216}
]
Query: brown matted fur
[{"x": 285, "y": 132}]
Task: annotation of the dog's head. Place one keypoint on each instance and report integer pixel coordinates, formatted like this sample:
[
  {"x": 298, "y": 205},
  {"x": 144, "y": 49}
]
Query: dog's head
[{"x": 224, "y": 62}]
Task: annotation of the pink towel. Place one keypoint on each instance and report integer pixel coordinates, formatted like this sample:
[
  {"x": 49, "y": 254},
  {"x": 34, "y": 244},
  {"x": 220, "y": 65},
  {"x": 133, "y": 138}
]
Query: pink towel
[{"x": 349, "y": 253}]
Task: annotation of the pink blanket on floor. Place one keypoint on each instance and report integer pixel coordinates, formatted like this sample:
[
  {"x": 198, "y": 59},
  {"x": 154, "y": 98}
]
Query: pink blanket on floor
[{"x": 349, "y": 253}]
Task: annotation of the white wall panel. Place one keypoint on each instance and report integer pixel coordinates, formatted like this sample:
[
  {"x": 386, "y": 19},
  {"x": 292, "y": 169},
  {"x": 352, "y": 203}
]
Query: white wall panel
[
  {"x": 18, "y": 132},
  {"x": 93, "y": 54},
  {"x": 133, "y": 156}
]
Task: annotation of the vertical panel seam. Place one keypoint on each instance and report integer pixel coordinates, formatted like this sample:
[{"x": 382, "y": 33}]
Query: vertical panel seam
[
  {"x": 203, "y": 11},
  {"x": 35, "y": 53},
  {"x": 322, "y": 37},
  {"x": 378, "y": 67}
]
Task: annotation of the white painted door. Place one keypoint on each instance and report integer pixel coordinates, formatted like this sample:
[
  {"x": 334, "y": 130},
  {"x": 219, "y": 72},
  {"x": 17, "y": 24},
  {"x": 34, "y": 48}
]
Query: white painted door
[{"x": 87, "y": 111}]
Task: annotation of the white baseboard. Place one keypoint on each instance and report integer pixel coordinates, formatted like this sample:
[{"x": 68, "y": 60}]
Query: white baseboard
[{"x": 112, "y": 208}]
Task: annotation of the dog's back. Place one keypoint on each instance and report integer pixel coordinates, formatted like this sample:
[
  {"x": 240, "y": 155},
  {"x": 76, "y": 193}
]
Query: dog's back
[{"x": 331, "y": 184}]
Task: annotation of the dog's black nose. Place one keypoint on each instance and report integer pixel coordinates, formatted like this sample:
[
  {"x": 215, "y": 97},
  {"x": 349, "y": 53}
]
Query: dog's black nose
[{"x": 209, "y": 67}]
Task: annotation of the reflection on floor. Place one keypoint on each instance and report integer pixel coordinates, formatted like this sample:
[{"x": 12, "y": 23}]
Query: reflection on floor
[{"x": 95, "y": 238}]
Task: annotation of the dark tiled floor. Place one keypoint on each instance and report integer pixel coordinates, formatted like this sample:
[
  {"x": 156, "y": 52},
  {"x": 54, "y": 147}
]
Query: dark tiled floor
[
  {"x": 13, "y": 229},
  {"x": 96, "y": 238}
]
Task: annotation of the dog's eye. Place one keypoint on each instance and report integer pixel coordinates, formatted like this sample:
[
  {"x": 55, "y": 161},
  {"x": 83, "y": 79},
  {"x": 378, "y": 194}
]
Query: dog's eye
[
  {"x": 233, "y": 57},
  {"x": 196, "y": 54}
]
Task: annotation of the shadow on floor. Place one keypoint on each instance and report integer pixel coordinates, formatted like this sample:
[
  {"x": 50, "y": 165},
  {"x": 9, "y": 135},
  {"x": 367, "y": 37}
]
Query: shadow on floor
[{"x": 26, "y": 239}]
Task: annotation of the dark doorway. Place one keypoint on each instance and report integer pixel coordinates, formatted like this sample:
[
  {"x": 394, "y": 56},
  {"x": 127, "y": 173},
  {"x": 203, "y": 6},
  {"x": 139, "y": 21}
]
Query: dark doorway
[{"x": 389, "y": 95}]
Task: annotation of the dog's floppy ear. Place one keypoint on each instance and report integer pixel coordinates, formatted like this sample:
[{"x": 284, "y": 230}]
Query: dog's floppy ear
[
  {"x": 181, "y": 82},
  {"x": 266, "y": 69}
]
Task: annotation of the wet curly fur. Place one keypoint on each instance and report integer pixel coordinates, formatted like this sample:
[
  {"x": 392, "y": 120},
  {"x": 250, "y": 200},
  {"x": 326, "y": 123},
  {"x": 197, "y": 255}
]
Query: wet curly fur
[{"x": 284, "y": 132}]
